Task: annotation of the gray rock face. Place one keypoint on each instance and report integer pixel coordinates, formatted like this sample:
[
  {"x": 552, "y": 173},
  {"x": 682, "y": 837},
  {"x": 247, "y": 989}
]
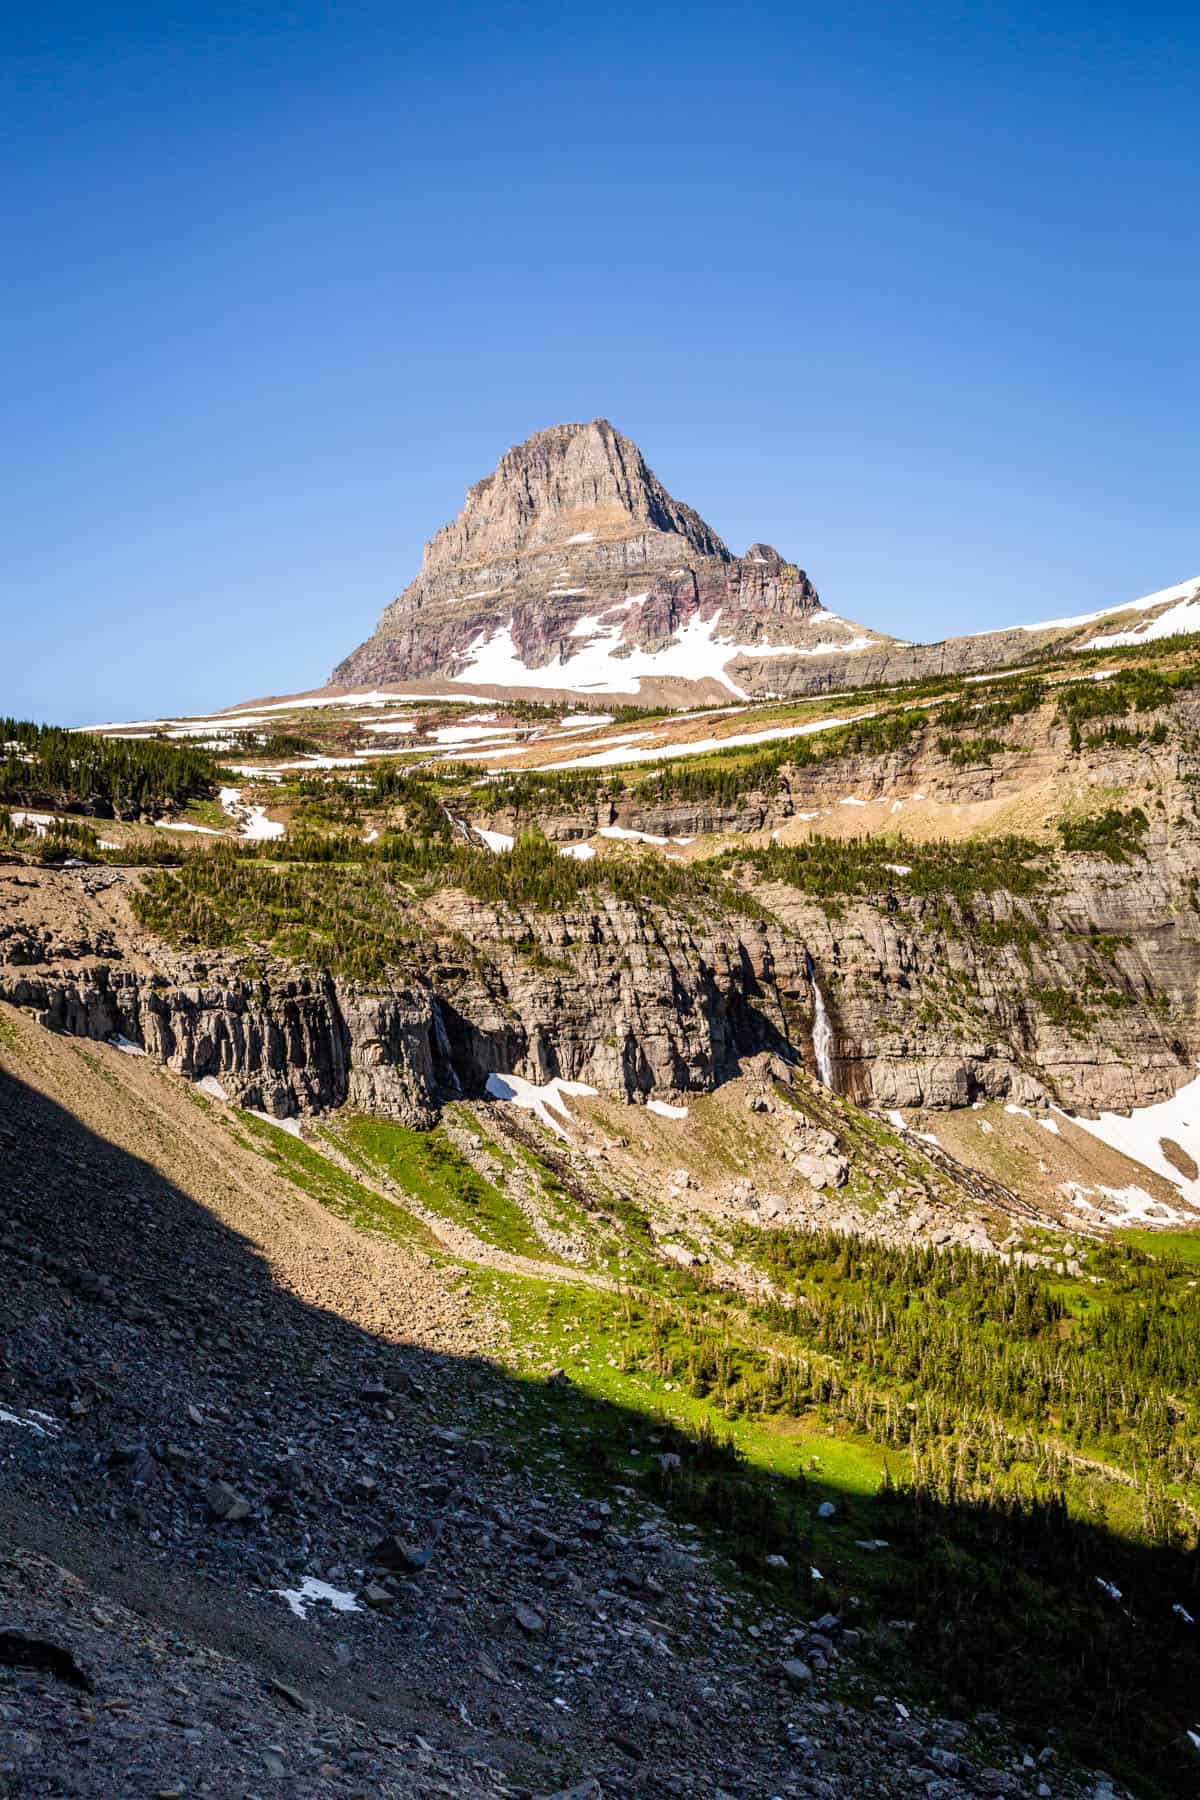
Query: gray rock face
[
  {"x": 283, "y": 1045},
  {"x": 572, "y": 537}
]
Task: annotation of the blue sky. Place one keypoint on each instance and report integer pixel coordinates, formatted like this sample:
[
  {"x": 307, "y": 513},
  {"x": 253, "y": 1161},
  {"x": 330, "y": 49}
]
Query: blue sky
[{"x": 909, "y": 291}]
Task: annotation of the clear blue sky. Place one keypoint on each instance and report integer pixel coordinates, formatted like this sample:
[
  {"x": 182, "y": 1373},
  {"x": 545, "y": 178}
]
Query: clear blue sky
[{"x": 909, "y": 290}]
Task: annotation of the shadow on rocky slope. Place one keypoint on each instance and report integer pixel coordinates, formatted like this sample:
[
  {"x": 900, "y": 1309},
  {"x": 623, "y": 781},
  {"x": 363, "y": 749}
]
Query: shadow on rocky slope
[{"x": 195, "y": 1441}]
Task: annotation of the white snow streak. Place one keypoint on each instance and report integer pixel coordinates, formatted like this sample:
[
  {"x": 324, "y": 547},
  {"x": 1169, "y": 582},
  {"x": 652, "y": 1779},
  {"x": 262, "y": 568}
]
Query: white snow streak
[
  {"x": 542, "y": 1102},
  {"x": 311, "y": 1590}
]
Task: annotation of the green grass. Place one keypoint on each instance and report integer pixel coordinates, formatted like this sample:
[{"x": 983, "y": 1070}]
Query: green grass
[
  {"x": 426, "y": 1165},
  {"x": 346, "y": 1198},
  {"x": 1170, "y": 1246}
]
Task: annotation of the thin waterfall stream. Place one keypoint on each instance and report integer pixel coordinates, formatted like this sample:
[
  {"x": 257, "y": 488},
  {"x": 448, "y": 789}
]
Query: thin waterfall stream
[{"x": 822, "y": 1030}]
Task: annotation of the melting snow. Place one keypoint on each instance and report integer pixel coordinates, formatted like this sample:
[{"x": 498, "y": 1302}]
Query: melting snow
[
  {"x": 1183, "y": 616},
  {"x": 608, "y": 757},
  {"x": 1139, "y": 1135},
  {"x": 496, "y": 841},
  {"x": 312, "y": 1590},
  {"x": 665, "y": 1110},
  {"x": 695, "y": 655},
  {"x": 468, "y": 734},
  {"x": 1050, "y": 1126},
  {"x": 1134, "y": 1203},
  {"x": 126, "y": 1044},
  {"x": 40, "y": 1423},
  {"x": 291, "y": 1126},
  {"x": 183, "y": 825},
  {"x": 208, "y": 1084},
  {"x": 1184, "y": 590},
  {"x": 537, "y": 1100},
  {"x": 637, "y": 837},
  {"x": 581, "y": 852}
]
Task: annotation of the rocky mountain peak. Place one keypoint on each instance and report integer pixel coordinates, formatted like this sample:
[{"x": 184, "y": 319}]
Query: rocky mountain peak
[
  {"x": 571, "y": 484},
  {"x": 571, "y": 567}
]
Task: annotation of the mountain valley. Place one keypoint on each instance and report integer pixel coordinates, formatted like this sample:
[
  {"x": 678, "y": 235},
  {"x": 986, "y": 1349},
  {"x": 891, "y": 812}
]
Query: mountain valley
[{"x": 609, "y": 1204}]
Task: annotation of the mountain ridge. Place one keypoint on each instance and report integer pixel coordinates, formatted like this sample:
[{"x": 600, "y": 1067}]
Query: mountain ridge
[{"x": 570, "y": 569}]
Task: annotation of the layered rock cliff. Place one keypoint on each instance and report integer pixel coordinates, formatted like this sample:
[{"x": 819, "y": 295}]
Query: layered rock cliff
[
  {"x": 573, "y": 547},
  {"x": 571, "y": 569}
]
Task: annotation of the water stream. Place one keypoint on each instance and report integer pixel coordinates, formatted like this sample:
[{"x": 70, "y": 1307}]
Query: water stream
[{"x": 822, "y": 1031}]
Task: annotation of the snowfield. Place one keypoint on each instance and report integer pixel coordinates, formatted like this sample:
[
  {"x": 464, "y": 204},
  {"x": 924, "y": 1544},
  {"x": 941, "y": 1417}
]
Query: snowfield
[
  {"x": 609, "y": 757},
  {"x": 696, "y": 655},
  {"x": 1183, "y": 590},
  {"x": 1139, "y": 1135}
]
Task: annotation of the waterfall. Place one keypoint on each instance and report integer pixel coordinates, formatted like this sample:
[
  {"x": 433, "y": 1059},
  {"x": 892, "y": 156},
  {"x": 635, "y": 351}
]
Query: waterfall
[{"x": 822, "y": 1031}]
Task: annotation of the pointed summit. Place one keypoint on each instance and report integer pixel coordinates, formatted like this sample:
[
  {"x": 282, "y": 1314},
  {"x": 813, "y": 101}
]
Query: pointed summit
[
  {"x": 571, "y": 568},
  {"x": 571, "y": 485}
]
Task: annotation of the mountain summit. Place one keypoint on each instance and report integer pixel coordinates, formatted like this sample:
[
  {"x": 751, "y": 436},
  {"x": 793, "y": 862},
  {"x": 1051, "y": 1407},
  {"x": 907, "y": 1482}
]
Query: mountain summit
[
  {"x": 571, "y": 568},
  {"x": 564, "y": 486},
  {"x": 572, "y": 572}
]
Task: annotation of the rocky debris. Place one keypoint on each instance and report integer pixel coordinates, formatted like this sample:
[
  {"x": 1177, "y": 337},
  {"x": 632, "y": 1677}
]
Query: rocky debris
[
  {"x": 815, "y": 1155},
  {"x": 553, "y": 1639},
  {"x": 224, "y": 1502}
]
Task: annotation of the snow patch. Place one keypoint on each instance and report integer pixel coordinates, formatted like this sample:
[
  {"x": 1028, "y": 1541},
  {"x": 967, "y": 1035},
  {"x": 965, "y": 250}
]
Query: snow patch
[
  {"x": 580, "y": 852},
  {"x": 126, "y": 1045},
  {"x": 1183, "y": 590},
  {"x": 609, "y": 757},
  {"x": 40, "y": 1423},
  {"x": 311, "y": 1590},
  {"x": 1139, "y": 1135},
  {"x": 695, "y": 655},
  {"x": 208, "y": 1084},
  {"x": 1184, "y": 616},
  {"x": 291, "y": 1126},
  {"x": 542, "y": 1102},
  {"x": 665, "y": 1110},
  {"x": 496, "y": 841},
  {"x": 470, "y": 734},
  {"x": 637, "y": 837}
]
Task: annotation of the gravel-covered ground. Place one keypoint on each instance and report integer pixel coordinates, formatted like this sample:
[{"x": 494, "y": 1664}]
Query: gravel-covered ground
[{"x": 211, "y": 1392}]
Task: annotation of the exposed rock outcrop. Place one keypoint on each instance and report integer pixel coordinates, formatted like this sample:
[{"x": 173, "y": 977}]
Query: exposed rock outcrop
[
  {"x": 571, "y": 557},
  {"x": 572, "y": 541}
]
